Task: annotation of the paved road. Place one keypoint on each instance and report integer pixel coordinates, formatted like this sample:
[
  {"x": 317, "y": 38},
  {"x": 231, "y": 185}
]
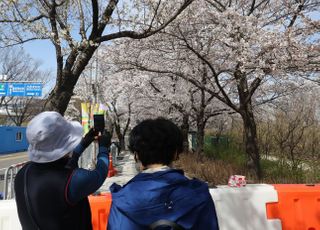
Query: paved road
[
  {"x": 126, "y": 167},
  {"x": 8, "y": 160},
  {"x": 14, "y": 158}
]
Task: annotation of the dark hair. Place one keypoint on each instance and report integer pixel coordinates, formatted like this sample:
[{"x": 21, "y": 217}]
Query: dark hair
[{"x": 156, "y": 141}]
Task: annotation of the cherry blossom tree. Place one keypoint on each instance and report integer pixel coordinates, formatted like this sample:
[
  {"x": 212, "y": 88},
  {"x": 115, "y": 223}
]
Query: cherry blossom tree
[
  {"x": 250, "y": 44},
  {"x": 118, "y": 93},
  {"x": 243, "y": 46},
  {"x": 175, "y": 97},
  {"x": 77, "y": 28}
]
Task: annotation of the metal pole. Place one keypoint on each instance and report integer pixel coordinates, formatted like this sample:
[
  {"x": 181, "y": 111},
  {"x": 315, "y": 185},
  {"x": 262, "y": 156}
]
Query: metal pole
[{"x": 95, "y": 101}]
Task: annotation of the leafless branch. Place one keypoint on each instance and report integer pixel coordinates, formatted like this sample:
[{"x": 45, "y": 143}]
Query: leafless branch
[
  {"x": 23, "y": 41},
  {"x": 22, "y": 20}
]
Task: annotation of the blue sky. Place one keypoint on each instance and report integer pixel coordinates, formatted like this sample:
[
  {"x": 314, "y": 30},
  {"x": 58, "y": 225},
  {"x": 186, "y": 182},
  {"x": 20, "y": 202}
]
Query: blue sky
[{"x": 43, "y": 51}]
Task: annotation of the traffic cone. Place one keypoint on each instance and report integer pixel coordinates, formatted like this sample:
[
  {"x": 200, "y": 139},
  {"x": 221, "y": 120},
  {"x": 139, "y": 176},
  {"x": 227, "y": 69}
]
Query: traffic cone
[{"x": 111, "y": 171}]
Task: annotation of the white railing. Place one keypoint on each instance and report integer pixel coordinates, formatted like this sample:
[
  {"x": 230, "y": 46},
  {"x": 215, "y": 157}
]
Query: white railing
[{"x": 10, "y": 173}]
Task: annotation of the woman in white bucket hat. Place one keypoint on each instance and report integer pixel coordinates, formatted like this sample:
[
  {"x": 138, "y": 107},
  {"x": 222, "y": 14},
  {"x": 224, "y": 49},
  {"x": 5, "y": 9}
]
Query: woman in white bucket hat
[{"x": 51, "y": 191}]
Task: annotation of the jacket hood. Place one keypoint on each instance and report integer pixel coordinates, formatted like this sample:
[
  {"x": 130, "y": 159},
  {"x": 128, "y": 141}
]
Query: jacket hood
[{"x": 168, "y": 195}]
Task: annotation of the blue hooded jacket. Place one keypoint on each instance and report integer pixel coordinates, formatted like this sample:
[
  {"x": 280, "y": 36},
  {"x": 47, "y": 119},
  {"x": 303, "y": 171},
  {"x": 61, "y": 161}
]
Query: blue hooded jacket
[{"x": 168, "y": 195}]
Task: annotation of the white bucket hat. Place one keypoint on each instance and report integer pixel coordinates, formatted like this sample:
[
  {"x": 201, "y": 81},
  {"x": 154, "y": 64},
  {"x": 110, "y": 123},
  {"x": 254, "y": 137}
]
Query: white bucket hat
[{"x": 51, "y": 136}]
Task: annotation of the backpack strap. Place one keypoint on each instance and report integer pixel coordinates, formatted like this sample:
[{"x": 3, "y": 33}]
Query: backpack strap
[{"x": 163, "y": 223}]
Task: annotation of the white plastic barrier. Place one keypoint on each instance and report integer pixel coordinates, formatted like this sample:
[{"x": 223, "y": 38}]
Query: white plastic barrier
[
  {"x": 8, "y": 215},
  {"x": 244, "y": 208}
]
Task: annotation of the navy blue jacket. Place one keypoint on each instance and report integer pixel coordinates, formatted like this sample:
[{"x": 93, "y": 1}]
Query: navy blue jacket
[{"x": 168, "y": 195}]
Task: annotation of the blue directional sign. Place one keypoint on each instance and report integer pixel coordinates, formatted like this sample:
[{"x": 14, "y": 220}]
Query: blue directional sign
[
  {"x": 21, "y": 89},
  {"x": 33, "y": 89},
  {"x": 15, "y": 89}
]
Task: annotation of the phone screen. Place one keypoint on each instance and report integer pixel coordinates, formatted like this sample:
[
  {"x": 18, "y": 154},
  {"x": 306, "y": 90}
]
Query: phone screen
[{"x": 98, "y": 121}]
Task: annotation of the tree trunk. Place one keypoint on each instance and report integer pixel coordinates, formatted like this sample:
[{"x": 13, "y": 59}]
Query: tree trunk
[
  {"x": 185, "y": 132},
  {"x": 120, "y": 137},
  {"x": 122, "y": 143},
  {"x": 249, "y": 125},
  {"x": 201, "y": 123},
  {"x": 200, "y": 137},
  {"x": 67, "y": 78},
  {"x": 59, "y": 98},
  {"x": 251, "y": 144}
]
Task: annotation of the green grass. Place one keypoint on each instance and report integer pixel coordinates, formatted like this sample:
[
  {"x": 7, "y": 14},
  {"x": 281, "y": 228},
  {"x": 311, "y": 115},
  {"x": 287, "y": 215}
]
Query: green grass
[
  {"x": 224, "y": 151},
  {"x": 273, "y": 171},
  {"x": 279, "y": 172}
]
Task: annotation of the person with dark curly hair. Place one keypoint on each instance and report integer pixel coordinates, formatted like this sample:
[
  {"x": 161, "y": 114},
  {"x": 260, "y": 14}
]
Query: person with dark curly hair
[{"x": 160, "y": 196}]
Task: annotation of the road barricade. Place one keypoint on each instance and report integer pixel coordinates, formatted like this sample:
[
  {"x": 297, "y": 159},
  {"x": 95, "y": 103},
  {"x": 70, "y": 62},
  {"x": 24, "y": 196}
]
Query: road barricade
[
  {"x": 253, "y": 207},
  {"x": 9, "y": 216},
  {"x": 100, "y": 208},
  {"x": 298, "y": 206},
  {"x": 244, "y": 208}
]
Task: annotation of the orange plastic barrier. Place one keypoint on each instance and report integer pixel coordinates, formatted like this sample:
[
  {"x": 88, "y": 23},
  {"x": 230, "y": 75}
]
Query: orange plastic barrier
[
  {"x": 298, "y": 206},
  {"x": 100, "y": 209}
]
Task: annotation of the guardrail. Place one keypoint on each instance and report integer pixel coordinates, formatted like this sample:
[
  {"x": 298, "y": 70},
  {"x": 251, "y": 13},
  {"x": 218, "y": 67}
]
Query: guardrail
[{"x": 10, "y": 173}]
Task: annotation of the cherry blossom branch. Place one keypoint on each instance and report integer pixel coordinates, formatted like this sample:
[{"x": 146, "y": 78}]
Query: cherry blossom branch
[
  {"x": 214, "y": 73},
  {"x": 216, "y": 4},
  {"x": 146, "y": 33},
  {"x": 296, "y": 13},
  {"x": 56, "y": 39},
  {"x": 95, "y": 17},
  {"x": 82, "y": 23}
]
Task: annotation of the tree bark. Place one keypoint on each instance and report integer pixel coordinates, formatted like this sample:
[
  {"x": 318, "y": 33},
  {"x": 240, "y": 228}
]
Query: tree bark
[
  {"x": 251, "y": 143},
  {"x": 120, "y": 137},
  {"x": 60, "y": 96},
  {"x": 249, "y": 124},
  {"x": 201, "y": 119},
  {"x": 200, "y": 139},
  {"x": 185, "y": 132}
]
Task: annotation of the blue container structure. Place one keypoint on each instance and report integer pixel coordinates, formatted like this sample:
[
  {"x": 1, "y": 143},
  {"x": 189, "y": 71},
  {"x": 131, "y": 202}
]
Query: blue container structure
[{"x": 13, "y": 139}]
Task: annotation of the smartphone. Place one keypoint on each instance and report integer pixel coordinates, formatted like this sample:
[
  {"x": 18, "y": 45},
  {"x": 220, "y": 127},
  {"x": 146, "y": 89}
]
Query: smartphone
[{"x": 98, "y": 122}]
